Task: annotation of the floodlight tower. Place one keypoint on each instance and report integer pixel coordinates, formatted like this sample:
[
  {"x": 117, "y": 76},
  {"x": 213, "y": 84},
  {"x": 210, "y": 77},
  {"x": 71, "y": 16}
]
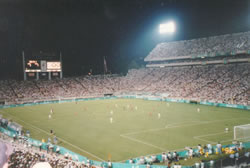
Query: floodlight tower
[{"x": 168, "y": 27}]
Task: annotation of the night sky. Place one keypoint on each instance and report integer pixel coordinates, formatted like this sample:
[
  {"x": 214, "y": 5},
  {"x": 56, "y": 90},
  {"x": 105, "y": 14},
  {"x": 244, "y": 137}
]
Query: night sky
[{"x": 123, "y": 31}]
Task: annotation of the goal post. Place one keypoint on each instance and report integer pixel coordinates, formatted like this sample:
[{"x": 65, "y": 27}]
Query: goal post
[{"x": 242, "y": 132}]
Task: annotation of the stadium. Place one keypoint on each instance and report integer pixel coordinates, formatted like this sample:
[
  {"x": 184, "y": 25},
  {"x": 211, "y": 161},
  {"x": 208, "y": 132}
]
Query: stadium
[{"x": 187, "y": 107}]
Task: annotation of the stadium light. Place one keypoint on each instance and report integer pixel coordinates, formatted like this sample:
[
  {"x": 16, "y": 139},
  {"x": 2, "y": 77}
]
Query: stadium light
[{"x": 167, "y": 27}]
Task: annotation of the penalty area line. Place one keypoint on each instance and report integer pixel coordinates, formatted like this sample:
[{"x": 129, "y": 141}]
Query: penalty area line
[
  {"x": 193, "y": 123},
  {"x": 200, "y": 137},
  {"x": 34, "y": 127},
  {"x": 142, "y": 142}
]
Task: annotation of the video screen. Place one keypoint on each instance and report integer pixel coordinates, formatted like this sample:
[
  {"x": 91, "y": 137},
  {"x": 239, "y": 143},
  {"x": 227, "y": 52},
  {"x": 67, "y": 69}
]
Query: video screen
[
  {"x": 53, "y": 65},
  {"x": 33, "y": 65}
]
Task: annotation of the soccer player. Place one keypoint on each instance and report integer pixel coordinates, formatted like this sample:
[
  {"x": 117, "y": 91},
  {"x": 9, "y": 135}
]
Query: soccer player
[
  {"x": 111, "y": 120},
  {"x": 51, "y": 111},
  {"x": 51, "y": 132},
  {"x": 159, "y": 115},
  {"x": 198, "y": 110}
]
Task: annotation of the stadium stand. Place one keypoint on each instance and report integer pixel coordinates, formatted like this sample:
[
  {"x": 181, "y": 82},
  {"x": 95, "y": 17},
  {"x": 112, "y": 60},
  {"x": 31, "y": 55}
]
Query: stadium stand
[
  {"x": 21, "y": 154},
  {"x": 216, "y": 83},
  {"x": 211, "y": 46},
  {"x": 214, "y": 69}
]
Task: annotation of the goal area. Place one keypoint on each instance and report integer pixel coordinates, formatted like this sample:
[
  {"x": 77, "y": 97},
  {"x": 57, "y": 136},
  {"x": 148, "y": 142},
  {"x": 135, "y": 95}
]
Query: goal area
[{"x": 242, "y": 132}]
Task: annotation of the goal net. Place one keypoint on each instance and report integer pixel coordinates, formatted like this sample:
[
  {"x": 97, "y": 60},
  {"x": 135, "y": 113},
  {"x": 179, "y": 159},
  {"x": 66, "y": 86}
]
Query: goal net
[{"x": 242, "y": 132}]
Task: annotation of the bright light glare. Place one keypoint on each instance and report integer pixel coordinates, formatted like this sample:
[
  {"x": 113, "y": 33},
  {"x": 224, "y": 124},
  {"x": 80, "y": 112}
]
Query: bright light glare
[{"x": 167, "y": 27}]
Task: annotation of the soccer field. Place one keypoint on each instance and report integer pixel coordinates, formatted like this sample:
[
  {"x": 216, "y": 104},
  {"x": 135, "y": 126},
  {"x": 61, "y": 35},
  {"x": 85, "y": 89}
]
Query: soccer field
[{"x": 138, "y": 127}]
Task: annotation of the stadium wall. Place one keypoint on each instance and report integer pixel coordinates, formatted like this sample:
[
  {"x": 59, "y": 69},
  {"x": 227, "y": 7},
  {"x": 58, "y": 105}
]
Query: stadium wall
[
  {"x": 186, "y": 101},
  {"x": 130, "y": 96}
]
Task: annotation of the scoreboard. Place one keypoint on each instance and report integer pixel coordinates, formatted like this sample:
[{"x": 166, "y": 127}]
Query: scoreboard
[
  {"x": 54, "y": 66},
  {"x": 33, "y": 65},
  {"x": 42, "y": 69},
  {"x": 42, "y": 66}
]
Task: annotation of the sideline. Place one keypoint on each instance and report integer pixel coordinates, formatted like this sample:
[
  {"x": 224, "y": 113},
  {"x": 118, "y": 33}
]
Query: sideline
[{"x": 34, "y": 127}]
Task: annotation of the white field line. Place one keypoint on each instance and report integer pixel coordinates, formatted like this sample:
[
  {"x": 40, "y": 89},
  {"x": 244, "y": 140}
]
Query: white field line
[
  {"x": 212, "y": 143},
  {"x": 204, "y": 140},
  {"x": 169, "y": 125},
  {"x": 142, "y": 142},
  {"x": 228, "y": 140},
  {"x": 158, "y": 129},
  {"x": 177, "y": 126},
  {"x": 57, "y": 137},
  {"x": 206, "y": 135}
]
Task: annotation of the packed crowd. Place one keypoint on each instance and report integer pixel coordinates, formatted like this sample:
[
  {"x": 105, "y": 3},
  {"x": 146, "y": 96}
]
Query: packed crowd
[
  {"x": 26, "y": 159},
  {"x": 228, "y": 83},
  {"x": 26, "y": 156},
  {"x": 85, "y": 86},
  {"x": 171, "y": 159},
  {"x": 216, "y": 83},
  {"x": 203, "y": 46}
]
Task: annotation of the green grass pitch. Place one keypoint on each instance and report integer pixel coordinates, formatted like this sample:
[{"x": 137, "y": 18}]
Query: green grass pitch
[{"x": 138, "y": 127}]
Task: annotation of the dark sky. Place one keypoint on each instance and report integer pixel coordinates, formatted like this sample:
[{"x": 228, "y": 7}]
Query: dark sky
[{"x": 121, "y": 30}]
